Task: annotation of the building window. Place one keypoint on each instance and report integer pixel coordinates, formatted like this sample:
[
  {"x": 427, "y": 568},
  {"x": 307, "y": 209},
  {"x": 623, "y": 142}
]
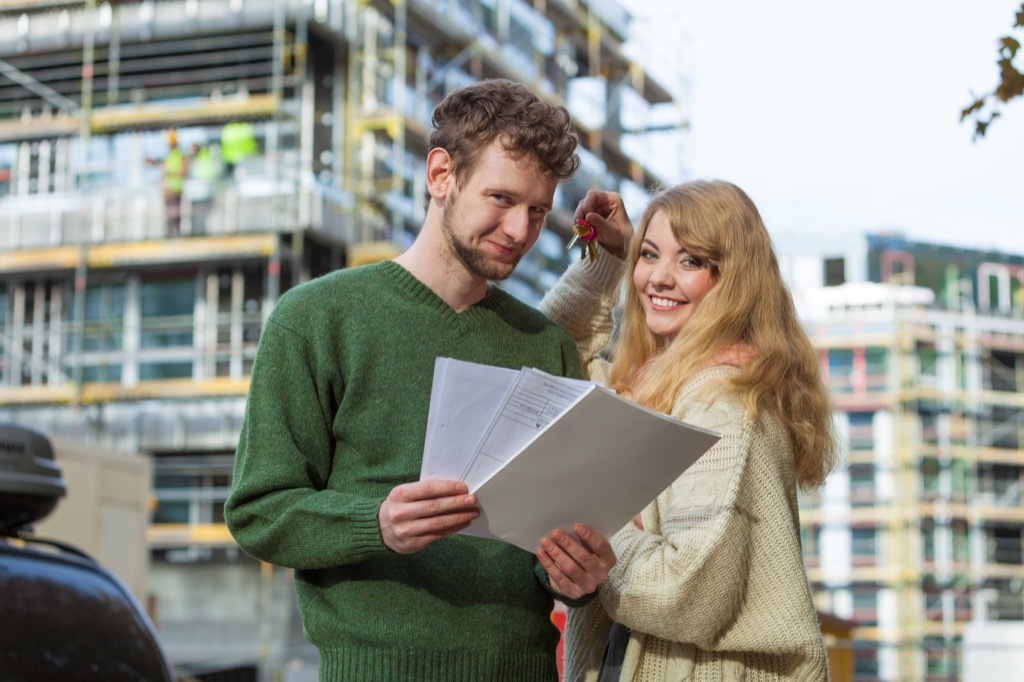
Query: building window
[
  {"x": 928, "y": 361},
  {"x": 840, "y": 370},
  {"x": 960, "y": 475},
  {"x": 1004, "y": 544},
  {"x": 1003, "y": 600},
  {"x": 942, "y": 657},
  {"x": 961, "y": 542},
  {"x": 876, "y": 366},
  {"x": 191, "y": 489},
  {"x": 102, "y": 348},
  {"x": 930, "y": 474},
  {"x": 863, "y": 546},
  {"x": 167, "y": 307},
  {"x": 865, "y": 604},
  {"x": 104, "y": 317},
  {"x": 157, "y": 371},
  {"x": 897, "y": 267},
  {"x": 810, "y": 539},
  {"x": 102, "y": 373},
  {"x": 932, "y": 594},
  {"x": 862, "y": 435},
  {"x": 929, "y": 424},
  {"x": 1003, "y": 369},
  {"x": 835, "y": 272},
  {"x": 865, "y": 661},
  {"x": 862, "y": 484},
  {"x": 1000, "y": 426},
  {"x": 999, "y": 484},
  {"x": 928, "y": 541},
  {"x": 166, "y": 328}
]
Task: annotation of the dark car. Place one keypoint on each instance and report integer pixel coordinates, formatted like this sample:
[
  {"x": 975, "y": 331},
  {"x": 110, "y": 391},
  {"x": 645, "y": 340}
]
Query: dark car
[{"x": 63, "y": 617}]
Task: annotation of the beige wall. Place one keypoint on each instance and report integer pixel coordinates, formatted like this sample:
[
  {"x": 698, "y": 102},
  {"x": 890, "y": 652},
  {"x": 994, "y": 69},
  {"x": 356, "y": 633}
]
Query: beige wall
[{"x": 106, "y": 509}]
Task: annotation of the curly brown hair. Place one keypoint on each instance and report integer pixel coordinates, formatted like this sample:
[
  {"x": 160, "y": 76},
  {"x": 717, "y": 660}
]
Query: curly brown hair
[{"x": 469, "y": 119}]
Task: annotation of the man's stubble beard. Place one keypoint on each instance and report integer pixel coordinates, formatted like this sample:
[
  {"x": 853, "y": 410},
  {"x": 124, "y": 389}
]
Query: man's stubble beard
[{"x": 472, "y": 258}]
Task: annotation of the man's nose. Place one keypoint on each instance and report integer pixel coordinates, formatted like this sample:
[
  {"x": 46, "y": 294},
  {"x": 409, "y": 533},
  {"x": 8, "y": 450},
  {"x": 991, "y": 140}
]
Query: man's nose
[{"x": 517, "y": 225}]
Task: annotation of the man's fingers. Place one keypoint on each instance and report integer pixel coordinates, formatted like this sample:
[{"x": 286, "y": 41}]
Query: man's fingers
[
  {"x": 436, "y": 525},
  {"x": 415, "y": 514},
  {"x": 425, "y": 490},
  {"x": 407, "y": 537},
  {"x": 421, "y": 509}
]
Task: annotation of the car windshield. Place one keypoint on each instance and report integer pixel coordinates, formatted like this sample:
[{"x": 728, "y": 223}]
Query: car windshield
[{"x": 65, "y": 621}]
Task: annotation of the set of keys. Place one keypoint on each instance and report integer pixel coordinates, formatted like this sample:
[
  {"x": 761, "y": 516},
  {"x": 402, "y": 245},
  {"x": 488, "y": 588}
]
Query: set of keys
[{"x": 585, "y": 232}]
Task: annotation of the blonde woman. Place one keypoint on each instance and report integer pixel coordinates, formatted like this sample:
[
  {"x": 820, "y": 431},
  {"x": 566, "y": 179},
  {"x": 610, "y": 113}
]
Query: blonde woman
[{"x": 710, "y": 581}]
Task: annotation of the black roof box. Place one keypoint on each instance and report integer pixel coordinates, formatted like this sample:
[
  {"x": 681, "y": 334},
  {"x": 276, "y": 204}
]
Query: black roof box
[{"x": 30, "y": 482}]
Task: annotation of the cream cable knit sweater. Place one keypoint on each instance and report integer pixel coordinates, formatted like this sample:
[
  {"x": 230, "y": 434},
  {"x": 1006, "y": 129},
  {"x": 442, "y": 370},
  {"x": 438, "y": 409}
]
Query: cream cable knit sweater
[{"x": 714, "y": 588}]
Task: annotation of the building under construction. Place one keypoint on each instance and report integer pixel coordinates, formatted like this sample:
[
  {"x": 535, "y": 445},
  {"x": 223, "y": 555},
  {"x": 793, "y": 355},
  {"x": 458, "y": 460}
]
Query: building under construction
[
  {"x": 169, "y": 167},
  {"x": 918, "y": 538}
]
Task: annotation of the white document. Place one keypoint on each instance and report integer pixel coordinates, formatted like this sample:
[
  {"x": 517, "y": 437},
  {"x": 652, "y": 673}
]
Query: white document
[
  {"x": 463, "y": 401},
  {"x": 550, "y": 451},
  {"x": 533, "y": 401}
]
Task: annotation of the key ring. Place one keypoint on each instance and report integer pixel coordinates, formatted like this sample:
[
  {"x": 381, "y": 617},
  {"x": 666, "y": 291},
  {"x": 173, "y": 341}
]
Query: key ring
[{"x": 584, "y": 231}]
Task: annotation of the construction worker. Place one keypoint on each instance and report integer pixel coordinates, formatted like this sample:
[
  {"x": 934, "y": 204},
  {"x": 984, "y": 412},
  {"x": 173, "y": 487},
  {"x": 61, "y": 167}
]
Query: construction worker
[
  {"x": 237, "y": 141},
  {"x": 175, "y": 168},
  {"x": 203, "y": 171}
]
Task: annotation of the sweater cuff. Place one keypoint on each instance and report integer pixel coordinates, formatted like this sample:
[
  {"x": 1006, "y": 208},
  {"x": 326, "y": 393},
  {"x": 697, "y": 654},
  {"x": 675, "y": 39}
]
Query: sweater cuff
[
  {"x": 363, "y": 530},
  {"x": 602, "y": 275}
]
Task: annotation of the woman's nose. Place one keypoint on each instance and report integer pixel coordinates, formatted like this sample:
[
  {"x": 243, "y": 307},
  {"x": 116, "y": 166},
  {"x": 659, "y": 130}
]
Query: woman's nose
[{"x": 662, "y": 273}]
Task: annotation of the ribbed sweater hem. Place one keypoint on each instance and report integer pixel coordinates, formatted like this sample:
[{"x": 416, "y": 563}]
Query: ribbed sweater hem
[{"x": 343, "y": 664}]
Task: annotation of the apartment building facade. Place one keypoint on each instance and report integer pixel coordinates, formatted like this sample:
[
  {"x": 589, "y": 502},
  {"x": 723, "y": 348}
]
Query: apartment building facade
[{"x": 918, "y": 537}]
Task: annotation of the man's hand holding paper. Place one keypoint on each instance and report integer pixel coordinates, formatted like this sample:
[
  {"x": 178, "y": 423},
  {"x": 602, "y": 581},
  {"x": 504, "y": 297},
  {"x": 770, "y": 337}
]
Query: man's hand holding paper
[{"x": 415, "y": 514}]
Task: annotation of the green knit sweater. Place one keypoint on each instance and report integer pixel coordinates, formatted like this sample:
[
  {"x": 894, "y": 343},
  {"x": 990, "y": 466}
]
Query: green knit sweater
[{"x": 336, "y": 418}]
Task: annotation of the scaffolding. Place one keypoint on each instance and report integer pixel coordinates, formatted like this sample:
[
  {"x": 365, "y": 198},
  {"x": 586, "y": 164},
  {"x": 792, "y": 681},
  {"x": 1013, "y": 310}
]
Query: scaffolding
[{"x": 926, "y": 362}]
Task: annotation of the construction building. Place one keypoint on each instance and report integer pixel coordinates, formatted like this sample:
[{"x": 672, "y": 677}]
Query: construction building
[
  {"x": 169, "y": 167},
  {"x": 917, "y": 539}
]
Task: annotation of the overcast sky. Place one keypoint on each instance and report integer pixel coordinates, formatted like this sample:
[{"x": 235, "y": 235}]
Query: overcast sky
[{"x": 839, "y": 116}]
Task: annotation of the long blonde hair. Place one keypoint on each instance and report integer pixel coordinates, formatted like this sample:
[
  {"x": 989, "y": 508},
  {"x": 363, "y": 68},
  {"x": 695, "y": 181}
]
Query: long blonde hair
[{"x": 748, "y": 308}]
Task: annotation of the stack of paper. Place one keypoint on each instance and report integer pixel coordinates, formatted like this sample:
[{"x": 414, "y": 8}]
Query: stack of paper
[{"x": 542, "y": 452}]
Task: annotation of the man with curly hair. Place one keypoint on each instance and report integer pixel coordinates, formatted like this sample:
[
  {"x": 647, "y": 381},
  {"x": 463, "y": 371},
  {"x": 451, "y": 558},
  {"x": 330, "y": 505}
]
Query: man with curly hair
[{"x": 326, "y": 474}]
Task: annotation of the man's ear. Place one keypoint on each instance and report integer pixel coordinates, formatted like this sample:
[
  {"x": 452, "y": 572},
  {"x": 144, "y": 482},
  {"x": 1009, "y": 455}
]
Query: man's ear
[{"x": 440, "y": 175}]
